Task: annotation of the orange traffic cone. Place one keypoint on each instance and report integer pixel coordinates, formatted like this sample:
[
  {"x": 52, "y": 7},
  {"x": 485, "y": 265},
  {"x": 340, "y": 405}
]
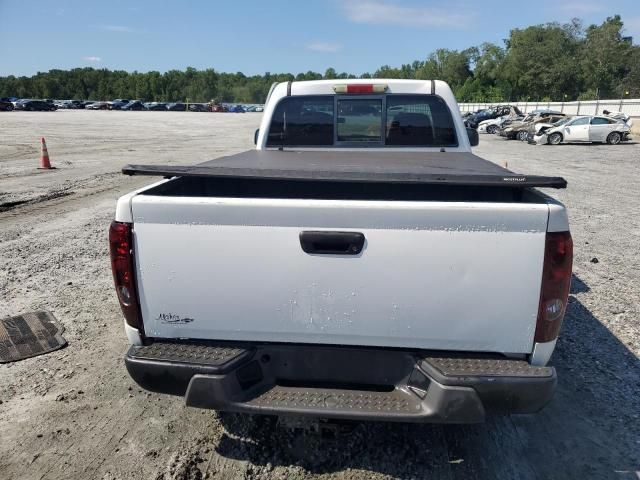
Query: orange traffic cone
[{"x": 45, "y": 164}]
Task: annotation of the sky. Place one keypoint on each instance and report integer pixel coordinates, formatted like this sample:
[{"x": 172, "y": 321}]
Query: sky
[{"x": 257, "y": 36}]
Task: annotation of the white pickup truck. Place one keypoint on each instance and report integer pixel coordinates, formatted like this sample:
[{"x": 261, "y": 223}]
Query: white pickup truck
[{"x": 361, "y": 263}]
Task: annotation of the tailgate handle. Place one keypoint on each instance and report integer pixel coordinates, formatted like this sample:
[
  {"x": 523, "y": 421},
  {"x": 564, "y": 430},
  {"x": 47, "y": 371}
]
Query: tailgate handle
[{"x": 332, "y": 243}]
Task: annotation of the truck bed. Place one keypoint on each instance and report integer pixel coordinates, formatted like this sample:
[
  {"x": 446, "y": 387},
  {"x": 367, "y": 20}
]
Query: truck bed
[{"x": 428, "y": 168}]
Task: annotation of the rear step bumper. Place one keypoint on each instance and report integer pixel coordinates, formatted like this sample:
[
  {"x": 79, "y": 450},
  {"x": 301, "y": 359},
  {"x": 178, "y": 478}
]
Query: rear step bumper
[{"x": 341, "y": 382}]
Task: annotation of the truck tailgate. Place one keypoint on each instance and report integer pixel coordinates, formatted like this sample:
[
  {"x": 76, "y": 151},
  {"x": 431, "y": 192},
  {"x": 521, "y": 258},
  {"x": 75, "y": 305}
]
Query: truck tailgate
[{"x": 431, "y": 275}]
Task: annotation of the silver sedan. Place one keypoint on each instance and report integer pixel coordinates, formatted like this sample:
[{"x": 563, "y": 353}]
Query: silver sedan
[{"x": 583, "y": 129}]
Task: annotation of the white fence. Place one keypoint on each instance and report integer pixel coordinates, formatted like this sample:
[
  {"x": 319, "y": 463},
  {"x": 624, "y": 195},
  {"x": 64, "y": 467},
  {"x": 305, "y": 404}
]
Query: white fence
[{"x": 591, "y": 107}]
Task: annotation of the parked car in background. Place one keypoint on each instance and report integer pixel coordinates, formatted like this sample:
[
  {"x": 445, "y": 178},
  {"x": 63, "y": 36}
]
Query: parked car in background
[
  {"x": 69, "y": 104},
  {"x": 97, "y": 106},
  {"x": 176, "y": 107},
  {"x": 5, "y": 105},
  {"x": 134, "y": 105},
  {"x": 35, "y": 105},
  {"x": 582, "y": 129},
  {"x": 236, "y": 109},
  {"x": 550, "y": 117},
  {"x": 198, "y": 107},
  {"x": 501, "y": 110},
  {"x": 493, "y": 125},
  {"x": 77, "y": 104},
  {"x": 521, "y": 129},
  {"x": 259, "y": 108},
  {"x": 156, "y": 106},
  {"x": 118, "y": 103},
  {"x": 217, "y": 107}
]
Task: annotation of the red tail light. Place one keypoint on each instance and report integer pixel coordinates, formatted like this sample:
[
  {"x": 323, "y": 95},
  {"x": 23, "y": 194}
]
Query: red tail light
[
  {"x": 121, "y": 249},
  {"x": 556, "y": 281}
]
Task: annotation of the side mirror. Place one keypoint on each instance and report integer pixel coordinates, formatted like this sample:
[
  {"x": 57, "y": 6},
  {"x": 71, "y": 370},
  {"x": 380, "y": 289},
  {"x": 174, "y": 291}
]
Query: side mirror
[
  {"x": 474, "y": 138},
  {"x": 255, "y": 136}
]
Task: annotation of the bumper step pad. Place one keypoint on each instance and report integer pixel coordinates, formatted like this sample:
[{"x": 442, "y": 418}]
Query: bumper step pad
[
  {"x": 167, "y": 367},
  {"x": 486, "y": 367},
  {"x": 318, "y": 399},
  {"x": 192, "y": 353}
]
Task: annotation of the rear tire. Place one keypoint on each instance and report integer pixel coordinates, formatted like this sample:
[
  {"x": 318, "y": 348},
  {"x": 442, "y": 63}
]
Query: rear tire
[
  {"x": 9, "y": 108},
  {"x": 614, "y": 138},
  {"x": 522, "y": 135},
  {"x": 555, "y": 139},
  {"x": 492, "y": 129}
]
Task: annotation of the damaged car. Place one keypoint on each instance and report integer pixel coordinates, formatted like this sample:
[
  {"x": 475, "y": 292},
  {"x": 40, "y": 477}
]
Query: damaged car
[
  {"x": 584, "y": 128},
  {"x": 494, "y": 125},
  {"x": 499, "y": 111},
  {"x": 521, "y": 129}
]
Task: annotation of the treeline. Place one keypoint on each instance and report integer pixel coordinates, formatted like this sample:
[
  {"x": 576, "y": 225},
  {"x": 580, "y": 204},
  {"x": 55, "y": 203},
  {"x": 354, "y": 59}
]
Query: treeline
[{"x": 544, "y": 62}]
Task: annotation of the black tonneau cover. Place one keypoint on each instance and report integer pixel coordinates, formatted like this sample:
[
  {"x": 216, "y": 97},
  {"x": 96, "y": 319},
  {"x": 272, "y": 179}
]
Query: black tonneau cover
[{"x": 442, "y": 168}]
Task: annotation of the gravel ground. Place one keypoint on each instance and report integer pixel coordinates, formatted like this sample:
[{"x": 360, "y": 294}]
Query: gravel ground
[{"x": 75, "y": 414}]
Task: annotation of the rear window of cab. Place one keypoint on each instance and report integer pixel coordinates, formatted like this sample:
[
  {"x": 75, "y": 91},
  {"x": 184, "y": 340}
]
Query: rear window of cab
[{"x": 393, "y": 120}]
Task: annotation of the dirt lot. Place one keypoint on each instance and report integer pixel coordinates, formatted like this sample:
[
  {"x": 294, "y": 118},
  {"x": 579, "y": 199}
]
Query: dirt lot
[{"x": 75, "y": 414}]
